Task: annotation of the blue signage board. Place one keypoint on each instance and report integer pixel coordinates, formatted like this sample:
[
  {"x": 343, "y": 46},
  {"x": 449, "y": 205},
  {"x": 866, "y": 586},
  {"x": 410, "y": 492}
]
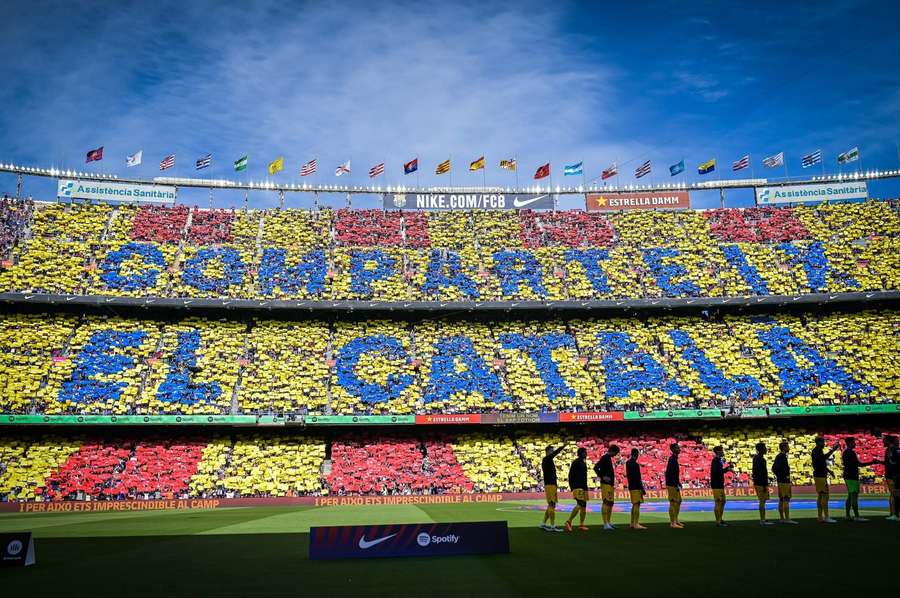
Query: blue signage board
[{"x": 405, "y": 540}]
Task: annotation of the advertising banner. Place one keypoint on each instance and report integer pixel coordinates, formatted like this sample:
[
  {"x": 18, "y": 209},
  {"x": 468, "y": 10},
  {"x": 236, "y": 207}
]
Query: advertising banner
[
  {"x": 675, "y": 414},
  {"x": 811, "y": 193},
  {"x": 516, "y": 418},
  {"x": 17, "y": 550},
  {"x": 592, "y": 416},
  {"x": 349, "y": 420},
  {"x": 409, "y": 540},
  {"x": 456, "y": 418},
  {"x": 468, "y": 201},
  {"x": 648, "y": 200},
  {"x": 141, "y": 420},
  {"x": 70, "y": 189}
]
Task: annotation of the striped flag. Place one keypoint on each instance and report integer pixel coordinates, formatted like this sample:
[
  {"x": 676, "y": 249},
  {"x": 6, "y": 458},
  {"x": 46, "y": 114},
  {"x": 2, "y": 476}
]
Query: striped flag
[
  {"x": 477, "y": 164},
  {"x": 741, "y": 164},
  {"x": 642, "y": 170},
  {"x": 572, "y": 169},
  {"x": 167, "y": 162},
  {"x": 849, "y": 156},
  {"x": 411, "y": 166},
  {"x": 774, "y": 161},
  {"x": 204, "y": 162},
  {"x": 240, "y": 164},
  {"x": 812, "y": 159},
  {"x": 94, "y": 155},
  {"x": 342, "y": 169},
  {"x": 508, "y": 164},
  {"x": 443, "y": 167},
  {"x": 376, "y": 170},
  {"x": 707, "y": 167},
  {"x": 610, "y": 172},
  {"x": 309, "y": 168}
]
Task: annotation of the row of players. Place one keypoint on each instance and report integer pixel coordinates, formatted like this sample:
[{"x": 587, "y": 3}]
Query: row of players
[
  {"x": 62, "y": 364},
  {"x": 102, "y": 250},
  {"x": 605, "y": 470}
]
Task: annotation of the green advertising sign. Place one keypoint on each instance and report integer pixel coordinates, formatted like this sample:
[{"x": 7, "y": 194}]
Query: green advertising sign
[
  {"x": 352, "y": 420},
  {"x": 754, "y": 412},
  {"x": 675, "y": 414},
  {"x": 134, "y": 420}
]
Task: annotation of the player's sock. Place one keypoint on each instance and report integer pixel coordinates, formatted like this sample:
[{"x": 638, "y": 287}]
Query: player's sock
[{"x": 854, "y": 504}]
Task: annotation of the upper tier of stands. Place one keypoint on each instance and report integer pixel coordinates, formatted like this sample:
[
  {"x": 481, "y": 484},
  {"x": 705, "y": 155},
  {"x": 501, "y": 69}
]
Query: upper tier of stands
[
  {"x": 275, "y": 464},
  {"x": 389, "y": 256},
  {"x": 88, "y": 364}
]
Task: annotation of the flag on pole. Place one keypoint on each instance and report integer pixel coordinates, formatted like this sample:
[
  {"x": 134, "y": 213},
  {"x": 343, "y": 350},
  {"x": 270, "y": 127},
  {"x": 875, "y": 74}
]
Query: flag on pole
[
  {"x": 204, "y": 161},
  {"x": 542, "y": 171},
  {"x": 477, "y": 164},
  {"x": 342, "y": 169},
  {"x": 774, "y": 161},
  {"x": 309, "y": 168},
  {"x": 167, "y": 162},
  {"x": 849, "y": 156},
  {"x": 676, "y": 168},
  {"x": 376, "y": 170},
  {"x": 572, "y": 169},
  {"x": 411, "y": 166},
  {"x": 240, "y": 164},
  {"x": 443, "y": 167},
  {"x": 134, "y": 159},
  {"x": 741, "y": 164},
  {"x": 610, "y": 172},
  {"x": 94, "y": 155},
  {"x": 812, "y": 159},
  {"x": 508, "y": 164},
  {"x": 642, "y": 170},
  {"x": 276, "y": 165},
  {"x": 707, "y": 167}
]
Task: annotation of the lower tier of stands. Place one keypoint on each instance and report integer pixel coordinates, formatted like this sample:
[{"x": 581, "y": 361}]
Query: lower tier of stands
[
  {"x": 56, "y": 363},
  {"x": 103, "y": 467}
]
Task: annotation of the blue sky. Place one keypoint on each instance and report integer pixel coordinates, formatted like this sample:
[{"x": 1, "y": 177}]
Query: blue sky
[{"x": 545, "y": 81}]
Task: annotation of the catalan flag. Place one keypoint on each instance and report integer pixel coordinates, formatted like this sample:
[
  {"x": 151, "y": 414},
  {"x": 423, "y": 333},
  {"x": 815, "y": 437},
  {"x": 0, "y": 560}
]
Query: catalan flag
[
  {"x": 277, "y": 165},
  {"x": 707, "y": 167},
  {"x": 477, "y": 164},
  {"x": 443, "y": 167},
  {"x": 508, "y": 164}
]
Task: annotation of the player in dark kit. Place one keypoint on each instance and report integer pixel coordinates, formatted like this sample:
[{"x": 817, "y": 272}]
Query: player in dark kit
[
  {"x": 635, "y": 488},
  {"x": 717, "y": 471},
  {"x": 673, "y": 486},
  {"x": 851, "y": 465},
  {"x": 782, "y": 470},
  {"x": 578, "y": 484},
  {"x": 548, "y": 468},
  {"x": 761, "y": 480},
  {"x": 889, "y": 442},
  {"x": 820, "y": 477},
  {"x": 605, "y": 470}
]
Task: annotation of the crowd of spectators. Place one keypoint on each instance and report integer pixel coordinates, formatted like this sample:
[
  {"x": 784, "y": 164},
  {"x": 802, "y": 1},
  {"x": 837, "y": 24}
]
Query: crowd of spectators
[
  {"x": 394, "y": 256},
  {"x": 390, "y": 463}
]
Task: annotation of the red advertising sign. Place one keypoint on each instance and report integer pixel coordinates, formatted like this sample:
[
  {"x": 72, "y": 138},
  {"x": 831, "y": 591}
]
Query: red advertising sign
[
  {"x": 456, "y": 418},
  {"x": 647, "y": 200},
  {"x": 592, "y": 416}
]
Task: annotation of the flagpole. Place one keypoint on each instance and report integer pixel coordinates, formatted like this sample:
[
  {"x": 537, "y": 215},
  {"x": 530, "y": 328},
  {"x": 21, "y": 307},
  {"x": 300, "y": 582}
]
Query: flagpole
[
  {"x": 417, "y": 172},
  {"x": 450, "y": 170},
  {"x": 752, "y": 167},
  {"x": 484, "y": 173},
  {"x": 516, "y": 158}
]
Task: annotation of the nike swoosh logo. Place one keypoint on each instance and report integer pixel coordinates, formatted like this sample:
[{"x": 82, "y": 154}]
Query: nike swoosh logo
[
  {"x": 522, "y": 204},
  {"x": 364, "y": 544}
]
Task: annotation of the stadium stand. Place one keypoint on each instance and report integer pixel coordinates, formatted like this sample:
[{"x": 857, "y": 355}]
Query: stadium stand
[
  {"x": 398, "y": 256},
  {"x": 59, "y": 364},
  {"x": 370, "y": 463}
]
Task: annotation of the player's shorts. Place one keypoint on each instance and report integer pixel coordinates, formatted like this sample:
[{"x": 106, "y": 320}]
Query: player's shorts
[
  {"x": 551, "y": 493},
  {"x": 762, "y": 492},
  {"x": 674, "y": 494},
  {"x": 580, "y": 495},
  {"x": 718, "y": 494},
  {"x": 852, "y": 486},
  {"x": 785, "y": 491},
  {"x": 607, "y": 493},
  {"x": 821, "y": 485},
  {"x": 637, "y": 496}
]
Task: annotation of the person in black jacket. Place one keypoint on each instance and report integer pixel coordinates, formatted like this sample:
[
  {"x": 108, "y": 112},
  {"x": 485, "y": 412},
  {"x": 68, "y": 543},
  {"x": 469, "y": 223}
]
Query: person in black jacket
[
  {"x": 717, "y": 471},
  {"x": 782, "y": 470},
  {"x": 761, "y": 480},
  {"x": 673, "y": 486},
  {"x": 635, "y": 488},
  {"x": 606, "y": 471},
  {"x": 851, "y": 464},
  {"x": 548, "y": 469},
  {"x": 578, "y": 484}
]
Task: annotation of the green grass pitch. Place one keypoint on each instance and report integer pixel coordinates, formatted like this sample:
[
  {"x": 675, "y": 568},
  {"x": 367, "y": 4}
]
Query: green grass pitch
[{"x": 250, "y": 552}]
